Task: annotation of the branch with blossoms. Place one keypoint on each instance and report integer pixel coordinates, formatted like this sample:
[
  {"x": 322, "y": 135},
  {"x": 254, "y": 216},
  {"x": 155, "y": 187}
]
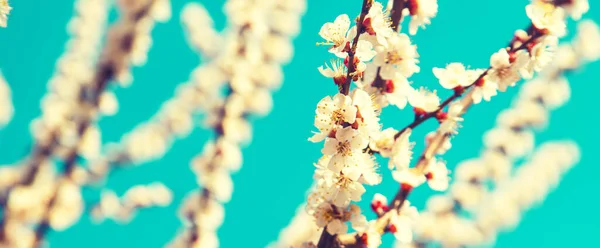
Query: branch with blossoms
[
  {"x": 244, "y": 60},
  {"x": 247, "y": 50},
  {"x": 349, "y": 121},
  {"x": 66, "y": 132},
  {"x": 485, "y": 187},
  {"x": 136, "y": 198}
]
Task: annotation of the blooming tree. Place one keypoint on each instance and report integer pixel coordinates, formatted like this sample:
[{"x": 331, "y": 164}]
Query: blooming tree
[{"x": 371, "y": 67}]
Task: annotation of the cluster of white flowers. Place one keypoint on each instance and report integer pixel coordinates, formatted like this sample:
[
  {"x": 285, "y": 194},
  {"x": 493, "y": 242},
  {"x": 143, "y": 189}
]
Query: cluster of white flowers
[
  {"x": 74, "y": 73},
  {"x": 381, "y": 60},
  {"x": 137, "y": 197},
  {"x": 4, "y": 11},
  {"x": 421, "y": 12},
  {"x": 246, "y": 64},
  {"x": 35, "y": 193},
  {"x": 200, "y": 30},
  {"x": 486, "y": 187},
  {"x": 6, "y": 106},
  {"x": 131, "y": 42},
  {"x": 346, "y": 123}
]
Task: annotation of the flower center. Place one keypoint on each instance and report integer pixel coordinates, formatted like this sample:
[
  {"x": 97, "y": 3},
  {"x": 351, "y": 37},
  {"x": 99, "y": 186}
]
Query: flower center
[
  {"x": 344, "y": 148},
  {"x": 344, "y": 182},
  {"x": 393, "y": 57},
  {"x": 337, "y": 37},
  {"x": 337, "y": 116},
  {"x": 504, "y": 72},
  {"x": 384, "y": 143}
]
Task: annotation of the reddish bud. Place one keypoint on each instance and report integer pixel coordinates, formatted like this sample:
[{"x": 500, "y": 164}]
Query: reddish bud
[
  {"x": 364, "y": 238},
  {"x": 347, "y": 59},
  {"x": 413, "y": 6},
  {"x": 419, "y": 112},
  {"x": 392, "y": 228},
  {"x": 429, "y": 176},
  {"x": 357, "y": 75},
  {"x": 339, "y": 80},
  {"x": 385, "y": 208},
  {"x": 441, "y": 116},
  {"x": 389, "y": 86},
  {"x": 512, "y": 57},
  {"x": 530, "y": 46},
  {"x": 347, "y": 48},
  {"x": 480, "y": 82},
  {"x": 355, "y": 125},
  {"x": 367, "y": 24},
  {"x": 332, "y": 134},
  {"x": 406, "y": 187},
  {"x": 375, "y": 205},
  {"x": 458, "y": 90}
]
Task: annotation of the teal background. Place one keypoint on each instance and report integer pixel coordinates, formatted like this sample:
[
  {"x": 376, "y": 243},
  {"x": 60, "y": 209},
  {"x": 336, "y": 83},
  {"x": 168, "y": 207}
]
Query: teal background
[{"x": 270, "y": 186}]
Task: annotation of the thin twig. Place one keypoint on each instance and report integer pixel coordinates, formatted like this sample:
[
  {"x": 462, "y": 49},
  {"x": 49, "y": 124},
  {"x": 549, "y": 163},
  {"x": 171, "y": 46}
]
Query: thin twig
[{"x": 345, "y": 87}]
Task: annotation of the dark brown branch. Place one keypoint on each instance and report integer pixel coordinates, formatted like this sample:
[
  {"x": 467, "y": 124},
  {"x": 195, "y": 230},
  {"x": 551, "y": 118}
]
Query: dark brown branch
[
  {"x": 396, "y": 13},
  {"x": 345, "y": 87},
  {"x": 458, "y": 94}
]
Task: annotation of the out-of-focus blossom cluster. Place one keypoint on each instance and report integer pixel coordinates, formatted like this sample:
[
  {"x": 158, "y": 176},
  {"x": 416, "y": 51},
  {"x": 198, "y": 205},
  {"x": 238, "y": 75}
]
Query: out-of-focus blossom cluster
[
  {"x": 6, "y": 106},
  {"x": 39, "y": 196},
  {"x": 4, "y": 12},
  {"x": 444, "y": 222},
  {"x": 236, "y": 82},
  {"x": 138, "y": 197}
]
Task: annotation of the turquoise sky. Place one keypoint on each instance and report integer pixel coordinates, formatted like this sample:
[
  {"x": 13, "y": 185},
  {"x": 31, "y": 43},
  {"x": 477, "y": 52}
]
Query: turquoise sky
[{"x": 270, "y": 186}]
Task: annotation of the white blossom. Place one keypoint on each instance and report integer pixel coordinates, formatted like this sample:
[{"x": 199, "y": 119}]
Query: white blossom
[
  {"x": 332, "y": 112},
  {"x": 367, "y": 114},
  {"x": 453, "y": 118},
  {"x": 402, "y": 223},
  {"x": 408, "y": 177},
  {"x": 424, "y": 101},
  {"x": 505, "y": 72},
  {"x": 540, "y": 55},
  {"x": 398, "y": 56},
  {"x": 377, "y": 22},
  {"x": 398, "y": 90},
  {"x": 401, "y": 151},
  {"x": 484, "y": 90},
  {"x": 383, "y": 142},
  {"x": 421, "y": 12},
  {"x": 547, "y": 17},
  {"x": 576, "y": 8},
  {"x": 337, "y": 72},
  {"x": 587, "y": 43},
  {"x": 335, "y": 33},
  {"x": 437, "y": 175},
  {"x": 343, "y": 147},
  {"x": 455, "y": 75}
]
